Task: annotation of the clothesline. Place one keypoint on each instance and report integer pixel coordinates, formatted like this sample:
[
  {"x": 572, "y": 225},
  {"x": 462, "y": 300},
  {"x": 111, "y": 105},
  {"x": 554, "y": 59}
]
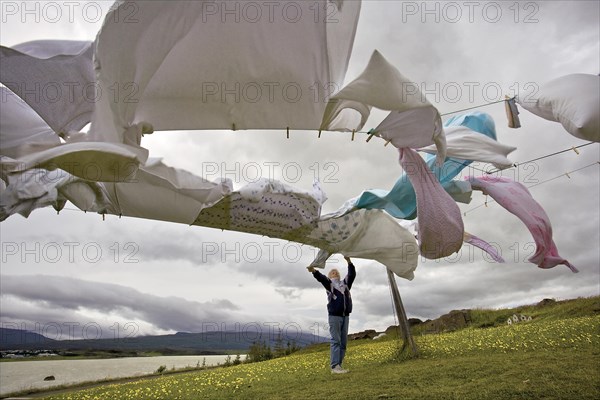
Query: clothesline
[
  {"x": 567, "y": 174},
  {"x": 471, "y": 108},
  {"x": 369, "y": 132},
  {"x": 574, "y": 148},
  {"x": 546, "y": 156}
]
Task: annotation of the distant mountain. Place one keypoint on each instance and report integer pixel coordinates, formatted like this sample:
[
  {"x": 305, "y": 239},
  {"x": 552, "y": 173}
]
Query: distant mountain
[
  {"x": 9, "y": 338},
  {"x": 178, "y": 343}
]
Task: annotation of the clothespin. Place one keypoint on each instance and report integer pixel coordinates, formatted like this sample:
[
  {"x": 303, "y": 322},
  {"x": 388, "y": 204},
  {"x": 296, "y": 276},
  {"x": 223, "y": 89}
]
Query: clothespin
[
  {"x": 319, "y": 134},
  {"x": 103, "y": 216},
  {"x": 353, "y": 131},
  {"x": 485, "y": 201},
  {"x": 371, "y": 133},
  {"x": 387, "y": 142},
  {"x": 512, "y": 112},
  {"x": 575, "y": 150},
  {"x": 120, "y": 216},
  {"x": 288, "y": 132},
  {"x": 233, "y": 127},
  {"x": 567, "y": 174}
]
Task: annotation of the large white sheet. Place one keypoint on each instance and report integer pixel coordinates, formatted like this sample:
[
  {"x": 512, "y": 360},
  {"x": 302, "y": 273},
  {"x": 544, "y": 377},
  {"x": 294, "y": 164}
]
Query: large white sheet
[{"x": 197, "y": 65}]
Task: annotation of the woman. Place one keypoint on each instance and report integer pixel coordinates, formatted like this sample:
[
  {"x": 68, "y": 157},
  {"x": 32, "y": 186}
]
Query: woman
[{"x": 339, "y": 307}]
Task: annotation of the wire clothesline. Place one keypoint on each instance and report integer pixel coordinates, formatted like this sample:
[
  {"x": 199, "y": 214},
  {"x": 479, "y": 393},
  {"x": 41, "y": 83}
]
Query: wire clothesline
[
  {"x": 574, "y": 148},
  {"x": 369, "y": 132},
  {"x": 567, "y": 174},
  {"x": 471, "y": 108}
]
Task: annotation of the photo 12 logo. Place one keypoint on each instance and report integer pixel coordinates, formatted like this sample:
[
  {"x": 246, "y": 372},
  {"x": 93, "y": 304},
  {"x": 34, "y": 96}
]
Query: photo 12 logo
[
  {"x": 17, "y": 331},
  {"x": 270, "y": 92},
  {"x": 71, "y": 92},
  {"x": 288, "y": 172},
  {"x": 69, "y": 252},
  {"x": 54, "y": 12},
  {"x": 253, "y": 252},
  {"x": 253, "y": 12},
  {"x": 453, "y": 12},
  {"x": 468, "y": 92}
]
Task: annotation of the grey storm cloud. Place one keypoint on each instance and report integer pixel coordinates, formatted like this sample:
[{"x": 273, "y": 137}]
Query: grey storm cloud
[
  {"x": 443, "y": 288},
  {"x": 63, "y": 296}
]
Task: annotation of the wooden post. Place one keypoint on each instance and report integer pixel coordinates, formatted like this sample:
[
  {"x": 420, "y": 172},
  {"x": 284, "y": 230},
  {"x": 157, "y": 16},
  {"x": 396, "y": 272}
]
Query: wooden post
[{"x": 407, "y": 339}]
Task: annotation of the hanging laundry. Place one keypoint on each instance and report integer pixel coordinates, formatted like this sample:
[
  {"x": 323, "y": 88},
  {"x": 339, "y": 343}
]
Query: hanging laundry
[
  {"x": 476, "y": 139},
  {"x": 483, "y": 245},
  {"x": 53, "y": 64},
  {"x": 573, "y": 100},
  {"x": 440, "y": 226},
  {"x": 512, "y": 113},
  {"x": 516, "y": 199}
]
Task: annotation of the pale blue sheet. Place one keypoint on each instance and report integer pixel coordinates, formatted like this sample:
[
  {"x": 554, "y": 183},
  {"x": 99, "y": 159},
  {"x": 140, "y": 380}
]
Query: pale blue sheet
[{"x": 400, "y": 201}]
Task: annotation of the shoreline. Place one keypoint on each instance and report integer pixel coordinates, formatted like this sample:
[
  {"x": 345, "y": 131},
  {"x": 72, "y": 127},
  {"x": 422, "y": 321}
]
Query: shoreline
[
  {"x": 28, "y": 377},
  {"x": 43, "y": 392}
]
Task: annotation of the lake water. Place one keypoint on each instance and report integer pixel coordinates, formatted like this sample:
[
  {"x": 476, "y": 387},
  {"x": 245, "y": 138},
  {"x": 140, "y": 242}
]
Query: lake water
[{"x": 21, "y": 375}]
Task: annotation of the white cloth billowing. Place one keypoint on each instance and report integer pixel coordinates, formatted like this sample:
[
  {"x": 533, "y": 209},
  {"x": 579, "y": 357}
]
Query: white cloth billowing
[
  {"x": 277, "y": 72},
  {"x": 368, "y": 234},
  {"x": 22, "y": 130},
  {"x": 55, "y": 77},
  {"x": 28, "y": 142},
  {"x": 163, "y": 193},
  {"x": 466, "y": 144},
  {"x": 573, "y": 100},
  {"x": 413, "y": 122},
  {"x": 29, "y": 190}
]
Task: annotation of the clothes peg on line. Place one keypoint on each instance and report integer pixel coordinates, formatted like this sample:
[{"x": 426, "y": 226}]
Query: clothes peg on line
[
  {"x": 288, "y": 132},
  {"x": 567, "y": 174},
  {"x": 353, "y": 132},
  {"x": 319, "y": 134},
  {"x": 371, "y": 133},
  {"x": 387, "y": 142},
  {"x": 512, "y": 112},
  {"x": 233, "y": 127},
  {"x": 575, "y": 150}
]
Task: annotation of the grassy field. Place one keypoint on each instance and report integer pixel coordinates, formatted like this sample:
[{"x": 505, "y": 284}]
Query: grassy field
[{"x": 554, "y": 356}]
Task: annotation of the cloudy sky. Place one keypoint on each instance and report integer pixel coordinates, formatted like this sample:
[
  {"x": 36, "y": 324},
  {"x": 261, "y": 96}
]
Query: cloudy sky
[{"x": 74, "y": 274}]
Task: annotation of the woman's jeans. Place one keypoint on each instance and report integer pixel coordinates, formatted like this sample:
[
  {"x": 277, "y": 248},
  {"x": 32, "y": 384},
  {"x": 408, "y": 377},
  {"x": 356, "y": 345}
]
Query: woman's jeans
[{"x": 338, "y": 329}]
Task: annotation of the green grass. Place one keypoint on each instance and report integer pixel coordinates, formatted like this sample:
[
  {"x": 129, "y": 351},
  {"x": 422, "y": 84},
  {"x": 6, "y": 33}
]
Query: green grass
[
  {"x": 555, "y": 356},
  {"x": 558, "y": 310}
]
